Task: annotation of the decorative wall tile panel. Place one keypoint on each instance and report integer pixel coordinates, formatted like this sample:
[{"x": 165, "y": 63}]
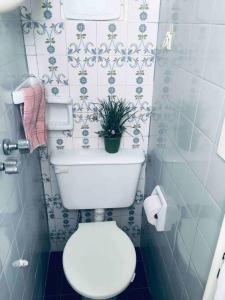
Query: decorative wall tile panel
[{"x": 90, "y": 61}]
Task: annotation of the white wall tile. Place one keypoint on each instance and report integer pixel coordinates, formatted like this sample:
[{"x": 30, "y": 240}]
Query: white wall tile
[
  {"x": 188, "y": 111},
  {"x": 21, "y": 195}
]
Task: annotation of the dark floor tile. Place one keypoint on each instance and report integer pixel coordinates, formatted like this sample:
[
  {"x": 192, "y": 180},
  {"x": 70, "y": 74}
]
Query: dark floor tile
[
  {"x": 66, "y": 288},
  {"x": 55, "y": 259},
  {"x": 140, "y": 279},
  {"x": 71, "y": 297},
  {"x": 138, "y": 253},
  {"x": 58, "y": 285},
  {"x": 122, "y": 296},
  {"x": 53, "y": 284},
  {"x": 55, "y": 271},
  {"x": 138, "y": 294},
  {"x": 52, "y": 298}
]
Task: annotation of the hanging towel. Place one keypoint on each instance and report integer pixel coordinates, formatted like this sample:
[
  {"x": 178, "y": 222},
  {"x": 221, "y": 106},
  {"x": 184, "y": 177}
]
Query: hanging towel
[
  {"x": 33, "y": 115},
  {"x": 41, "y": 129}
]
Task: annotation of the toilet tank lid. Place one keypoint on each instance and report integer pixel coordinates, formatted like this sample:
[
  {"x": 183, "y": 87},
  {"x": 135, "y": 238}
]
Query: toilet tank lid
[{"x": 96, "y": 157}]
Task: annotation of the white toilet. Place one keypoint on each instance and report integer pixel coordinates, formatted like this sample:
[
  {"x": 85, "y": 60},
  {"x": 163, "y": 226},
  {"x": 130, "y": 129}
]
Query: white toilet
[{"x": 99, "y": 259}]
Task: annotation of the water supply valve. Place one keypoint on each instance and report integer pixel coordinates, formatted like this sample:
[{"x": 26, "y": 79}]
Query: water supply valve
[
  {"x": 10, "y": 166},
  {"x": 22, "y": 145}
]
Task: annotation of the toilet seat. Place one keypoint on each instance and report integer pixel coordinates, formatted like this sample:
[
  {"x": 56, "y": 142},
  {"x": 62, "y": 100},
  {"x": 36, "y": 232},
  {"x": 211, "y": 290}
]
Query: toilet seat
[{"x": 99, "y": 260}]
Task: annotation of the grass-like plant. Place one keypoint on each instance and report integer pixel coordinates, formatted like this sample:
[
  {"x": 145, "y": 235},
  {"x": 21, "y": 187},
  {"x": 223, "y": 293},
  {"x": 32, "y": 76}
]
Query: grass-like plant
[{"x": 113, "y": 115}]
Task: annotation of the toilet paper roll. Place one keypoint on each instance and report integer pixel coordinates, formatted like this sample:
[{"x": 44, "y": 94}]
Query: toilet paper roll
[{"x": 152, "y": 206}]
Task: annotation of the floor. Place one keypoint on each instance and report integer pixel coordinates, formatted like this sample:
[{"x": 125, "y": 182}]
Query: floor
[{"x": 57, "y": 287}]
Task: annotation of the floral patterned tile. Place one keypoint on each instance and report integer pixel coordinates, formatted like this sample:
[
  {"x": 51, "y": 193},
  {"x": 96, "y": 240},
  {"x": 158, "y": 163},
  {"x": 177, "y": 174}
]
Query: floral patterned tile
[
  {"x": 57, "y": 91},
  {"x": 90, "y": 61},
  {"x": 80, "y": 36},
  {"x": 53, "y": 69},
  {"x": 50, "y": 38},
  {"x": 86, "y": 143},
  {"x": 84, "y": 98},
  {"x": 85, "y": 125},
  {"x": 136, "y": 142},
  {"x": 60, "y": 143},
  {"x": 116, "y": 91},
  {"x": 112, "y": 73},
  {"x": 143, "y": 10},
  {"x": 111, "y": 38},
  {"x": 45, "y": 10},
  {"x": 82, "y": 71}
]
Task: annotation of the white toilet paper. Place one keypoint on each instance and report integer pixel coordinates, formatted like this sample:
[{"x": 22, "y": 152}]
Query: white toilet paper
[{"x": 152, "y": 206}]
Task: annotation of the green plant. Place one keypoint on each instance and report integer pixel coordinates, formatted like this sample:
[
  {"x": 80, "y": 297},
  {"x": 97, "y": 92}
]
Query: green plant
[{"x": 113, "y": 115}]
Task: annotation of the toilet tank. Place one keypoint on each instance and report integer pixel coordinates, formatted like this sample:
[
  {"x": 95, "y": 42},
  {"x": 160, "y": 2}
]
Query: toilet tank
[{"x": 96, "y": 179}]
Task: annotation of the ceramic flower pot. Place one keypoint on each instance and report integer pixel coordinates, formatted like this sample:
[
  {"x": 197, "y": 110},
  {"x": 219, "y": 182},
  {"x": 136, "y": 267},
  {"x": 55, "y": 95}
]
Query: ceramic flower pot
[{"x": 112, "y": 145}]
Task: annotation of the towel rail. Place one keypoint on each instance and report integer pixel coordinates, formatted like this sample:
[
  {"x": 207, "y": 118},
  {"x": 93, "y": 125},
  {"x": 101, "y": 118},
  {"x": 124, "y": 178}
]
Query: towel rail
[{"x": 18, "y": 95}]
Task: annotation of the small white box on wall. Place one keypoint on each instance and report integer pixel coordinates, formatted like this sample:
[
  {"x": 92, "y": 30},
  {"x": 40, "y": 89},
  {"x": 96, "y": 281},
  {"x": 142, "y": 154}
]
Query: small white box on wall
[
  {"x": 59, "y": 114},
  {"x": 98, "y": 10}
]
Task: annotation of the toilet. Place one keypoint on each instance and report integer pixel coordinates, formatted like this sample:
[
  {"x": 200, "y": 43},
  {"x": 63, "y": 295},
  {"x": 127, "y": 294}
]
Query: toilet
[{"x": 99, "y": 259}]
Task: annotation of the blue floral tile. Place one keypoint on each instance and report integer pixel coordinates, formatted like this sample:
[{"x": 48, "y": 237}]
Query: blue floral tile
[{"x": 89, "y": 61}]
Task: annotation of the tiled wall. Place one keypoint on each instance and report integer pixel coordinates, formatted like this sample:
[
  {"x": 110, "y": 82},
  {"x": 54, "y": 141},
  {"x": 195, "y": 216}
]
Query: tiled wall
[
  {"x": 188, "y": 111},
  {"x": 89, "y": 61},
  {"x": 23, "y": 221}
]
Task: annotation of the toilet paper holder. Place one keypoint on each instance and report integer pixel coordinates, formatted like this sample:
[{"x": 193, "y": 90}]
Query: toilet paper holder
[
  {"x": 161, "y": 215},
  {"x": 162, "y": 212}
]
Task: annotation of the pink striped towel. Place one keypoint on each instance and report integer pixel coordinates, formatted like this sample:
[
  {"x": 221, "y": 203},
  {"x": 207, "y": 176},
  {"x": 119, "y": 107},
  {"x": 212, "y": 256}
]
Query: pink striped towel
[{"x": 33, "y": 114}]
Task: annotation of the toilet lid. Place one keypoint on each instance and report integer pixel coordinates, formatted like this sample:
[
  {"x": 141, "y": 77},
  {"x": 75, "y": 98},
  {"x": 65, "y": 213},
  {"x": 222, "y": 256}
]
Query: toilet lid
[{"x": 99, "y": 260}]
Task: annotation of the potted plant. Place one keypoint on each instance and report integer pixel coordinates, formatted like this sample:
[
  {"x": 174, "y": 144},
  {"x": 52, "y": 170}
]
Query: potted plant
[{"x": 113, "y": 115}]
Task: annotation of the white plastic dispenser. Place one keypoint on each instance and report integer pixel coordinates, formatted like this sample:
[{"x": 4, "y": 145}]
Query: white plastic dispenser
[
  {"x": 92, "y": 10},
  {"x": 158, "y": 212},
  {"x": 155, "y": 207},
  {"x": 59, "y": 113}
]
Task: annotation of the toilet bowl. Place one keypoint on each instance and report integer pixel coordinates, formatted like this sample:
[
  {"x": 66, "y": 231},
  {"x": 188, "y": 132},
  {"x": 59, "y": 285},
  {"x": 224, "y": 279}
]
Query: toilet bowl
[{"x": 99, "y": 260}]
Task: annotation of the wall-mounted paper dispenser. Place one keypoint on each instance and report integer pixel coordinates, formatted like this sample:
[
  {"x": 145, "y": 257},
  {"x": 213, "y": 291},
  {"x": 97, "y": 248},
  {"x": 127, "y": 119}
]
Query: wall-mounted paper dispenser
[
  {"x": 159, "y": 212},
  {"x": 93, "y": 9}
]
